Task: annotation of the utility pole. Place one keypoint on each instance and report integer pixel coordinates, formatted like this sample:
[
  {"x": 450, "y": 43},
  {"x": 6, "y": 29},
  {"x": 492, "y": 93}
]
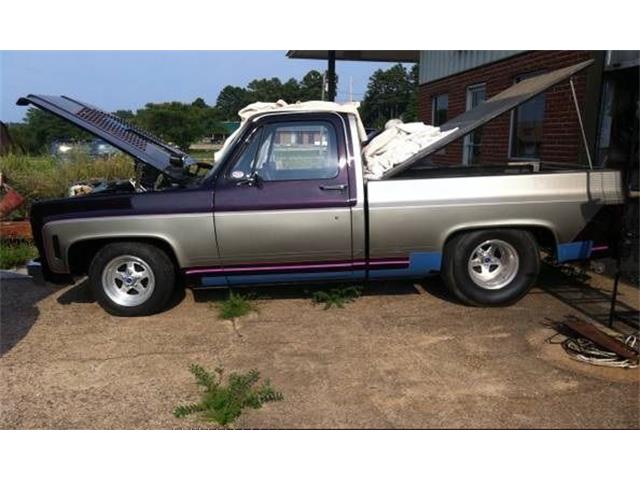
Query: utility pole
[
  {"x": 331, "y": 75},
  {"x": 324, "y": 85}
]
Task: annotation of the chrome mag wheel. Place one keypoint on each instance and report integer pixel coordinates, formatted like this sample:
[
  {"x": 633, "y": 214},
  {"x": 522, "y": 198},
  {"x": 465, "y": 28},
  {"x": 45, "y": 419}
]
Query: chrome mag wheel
[
  {"x": 128, "y": 280},
  {"x": 493, "y": 264}
]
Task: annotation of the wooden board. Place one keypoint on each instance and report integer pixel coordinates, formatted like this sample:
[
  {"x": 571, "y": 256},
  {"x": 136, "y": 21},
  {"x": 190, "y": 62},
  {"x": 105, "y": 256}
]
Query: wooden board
[{"x": 15, "y": 230}]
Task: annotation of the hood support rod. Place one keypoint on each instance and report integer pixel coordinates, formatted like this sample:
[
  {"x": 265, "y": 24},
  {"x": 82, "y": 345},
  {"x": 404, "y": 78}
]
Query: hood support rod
[{"x": 584, "y": 136}]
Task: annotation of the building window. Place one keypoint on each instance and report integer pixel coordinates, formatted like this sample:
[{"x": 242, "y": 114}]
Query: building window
[
  {"x": 439, "y": 114},
  {"x": 476, "y": 94},
  {"x": 526, "y": 126},
  {"x": 440, "y": 108}
]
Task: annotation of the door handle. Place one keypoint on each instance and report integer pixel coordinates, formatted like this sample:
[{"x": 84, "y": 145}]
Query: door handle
[{"x": 341, "y": 187}]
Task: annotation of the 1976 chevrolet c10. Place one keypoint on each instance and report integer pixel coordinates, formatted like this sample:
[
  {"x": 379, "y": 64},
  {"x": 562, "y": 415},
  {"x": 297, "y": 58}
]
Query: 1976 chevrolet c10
[{"x": 274, "y": 210}]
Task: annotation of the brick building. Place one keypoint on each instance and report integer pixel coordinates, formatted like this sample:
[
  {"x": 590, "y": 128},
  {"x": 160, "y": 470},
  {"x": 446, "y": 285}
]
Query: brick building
[
  {"x": 543, "y": 129},
  {"x": 546, "y": 128}
]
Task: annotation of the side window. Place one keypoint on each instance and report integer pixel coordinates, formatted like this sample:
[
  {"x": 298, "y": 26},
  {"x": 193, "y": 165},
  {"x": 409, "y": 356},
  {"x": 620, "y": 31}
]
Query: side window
[{"x": 298, "y": 151}]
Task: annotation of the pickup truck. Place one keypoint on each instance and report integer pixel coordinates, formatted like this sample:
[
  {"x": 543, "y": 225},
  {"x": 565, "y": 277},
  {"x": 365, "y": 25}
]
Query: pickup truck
[{"x": 288, "y": 202}]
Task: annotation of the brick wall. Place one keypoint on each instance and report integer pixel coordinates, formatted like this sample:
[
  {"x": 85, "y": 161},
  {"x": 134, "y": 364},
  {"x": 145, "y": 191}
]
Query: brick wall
[{"x": 561, "y": 140}]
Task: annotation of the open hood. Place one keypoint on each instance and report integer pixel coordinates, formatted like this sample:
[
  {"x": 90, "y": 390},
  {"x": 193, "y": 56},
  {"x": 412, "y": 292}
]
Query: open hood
[
  {"x": 136, "y": 142},
  {"x": 501, "y": 103}
]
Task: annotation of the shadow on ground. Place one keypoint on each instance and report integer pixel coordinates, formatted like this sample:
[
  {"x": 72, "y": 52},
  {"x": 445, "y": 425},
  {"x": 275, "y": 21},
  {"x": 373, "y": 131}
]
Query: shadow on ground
[
  {"x": 81, "y": 293},
  {"x": 432, "y": 285},
  {"x": 573, "y": 290},
  {"x": 19, "y": 310}
]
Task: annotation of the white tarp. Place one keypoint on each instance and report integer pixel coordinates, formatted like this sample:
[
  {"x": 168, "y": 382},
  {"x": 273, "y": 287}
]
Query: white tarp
[
  {"x": 248, "y": 112},
  {"x": 396, "y": 144}
]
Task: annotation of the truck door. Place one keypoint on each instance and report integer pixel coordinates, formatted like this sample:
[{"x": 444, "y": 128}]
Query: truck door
[{"x": 283, "y": 203}]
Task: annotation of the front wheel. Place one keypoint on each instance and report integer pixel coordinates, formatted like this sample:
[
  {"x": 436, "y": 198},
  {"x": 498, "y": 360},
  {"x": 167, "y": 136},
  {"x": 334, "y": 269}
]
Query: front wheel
[
  {"x": 131, "y": 279},
  {"x": 491, "y": 267}
]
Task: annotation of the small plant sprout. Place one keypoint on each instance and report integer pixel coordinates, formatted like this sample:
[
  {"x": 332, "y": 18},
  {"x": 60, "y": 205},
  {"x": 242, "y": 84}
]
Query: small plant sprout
[
  {"x": 224, "y": 404},
  {"x": 338, "y": 296},
  {"x": 237, "y": 305}
]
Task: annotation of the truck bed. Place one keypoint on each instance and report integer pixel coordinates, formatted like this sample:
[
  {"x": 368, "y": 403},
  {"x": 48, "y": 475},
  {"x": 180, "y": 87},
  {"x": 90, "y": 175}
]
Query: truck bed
[{"x": 420, "y": 211}]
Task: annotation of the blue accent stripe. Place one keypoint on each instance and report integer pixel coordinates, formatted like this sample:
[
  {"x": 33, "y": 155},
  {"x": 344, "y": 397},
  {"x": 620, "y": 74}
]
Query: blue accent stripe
[
  {"x": 420, "y": 265},
  {"x": 218, "y": 281},
  {"x": 565, "y": 252}
]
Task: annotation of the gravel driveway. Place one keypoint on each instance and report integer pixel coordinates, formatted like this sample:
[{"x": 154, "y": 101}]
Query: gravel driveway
[{"x": 401, "y": 356}]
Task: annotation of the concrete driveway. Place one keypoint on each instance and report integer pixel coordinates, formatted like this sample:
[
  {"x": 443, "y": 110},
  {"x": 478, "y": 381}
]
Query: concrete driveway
[{"x": 401, "y": 356}]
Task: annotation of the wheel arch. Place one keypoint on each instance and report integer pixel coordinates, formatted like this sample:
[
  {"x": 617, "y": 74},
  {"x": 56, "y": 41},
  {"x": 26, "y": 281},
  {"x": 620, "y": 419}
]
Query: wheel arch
[
  {"x": 544, "y": 234},
  {"x": 81, "y": 252}
]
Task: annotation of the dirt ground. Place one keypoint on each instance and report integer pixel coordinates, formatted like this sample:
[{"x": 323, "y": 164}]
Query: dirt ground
[{"x": 404, "y": 355}]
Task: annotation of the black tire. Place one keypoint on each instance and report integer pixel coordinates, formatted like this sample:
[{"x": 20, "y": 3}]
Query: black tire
[
  {"x": 161, "y": 266},
  {"x": 459, "y": 250}
]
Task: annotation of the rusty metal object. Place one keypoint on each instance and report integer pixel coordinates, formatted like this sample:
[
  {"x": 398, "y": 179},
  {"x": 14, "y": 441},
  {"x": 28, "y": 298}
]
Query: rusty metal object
[
  {"x": 600, "y": 338},
  {"x": 5, "y": 140},
  {"x": 10, "y": 201},
  {"x": 19, "y": 230}
]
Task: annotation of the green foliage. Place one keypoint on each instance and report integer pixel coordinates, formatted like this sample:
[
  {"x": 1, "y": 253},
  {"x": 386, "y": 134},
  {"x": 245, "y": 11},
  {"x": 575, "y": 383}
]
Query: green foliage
[
  {"x": 237, "y": 305},
  {"x": 224, "y": 404},
  {"x": 232, "y": 99},
  {"x": 16, "y": 253},
  {"x": 40, "y": 129},
  {"x": 44, "y": 177},
  {"x": 390, "y": 94},
  {"x": 338, "y": 296},
  {"x": 176, "y": 122}
]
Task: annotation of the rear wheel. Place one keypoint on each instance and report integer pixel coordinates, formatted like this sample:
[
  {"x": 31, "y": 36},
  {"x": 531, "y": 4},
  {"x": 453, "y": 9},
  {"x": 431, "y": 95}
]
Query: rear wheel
[
  {"x": 491, "y": 267},
  {"x": 131, "y": 279}
]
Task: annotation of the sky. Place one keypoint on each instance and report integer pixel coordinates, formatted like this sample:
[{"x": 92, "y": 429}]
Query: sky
[{"x": 115, "y": 80}]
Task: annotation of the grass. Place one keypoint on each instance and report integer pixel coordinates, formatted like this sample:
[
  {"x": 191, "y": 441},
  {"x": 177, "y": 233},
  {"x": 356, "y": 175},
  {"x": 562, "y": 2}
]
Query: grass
[
  {"x": 237, "y": 305},
  {"x": 15, "y": 253},
  {"x": 45, "y": 177},
  {"x": 338, "y": 296},
  {"x": 223, "y": 404}
]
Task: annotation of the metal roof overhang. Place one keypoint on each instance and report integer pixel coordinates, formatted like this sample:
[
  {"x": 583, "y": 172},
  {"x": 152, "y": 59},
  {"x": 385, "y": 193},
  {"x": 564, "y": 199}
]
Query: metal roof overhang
[
  {"x": 402, "y": 56},
  {"x": 501, "y": 103}
]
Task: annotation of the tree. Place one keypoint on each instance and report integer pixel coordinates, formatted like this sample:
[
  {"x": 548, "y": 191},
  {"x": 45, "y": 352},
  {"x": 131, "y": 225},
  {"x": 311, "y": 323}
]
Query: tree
[
  {"x": 199, "y": 103},
  {"x": 390, "y": 94},
  {"x": 177, "y": 122},
  {"x": 231, "y": 100},
  {"x": 411, "y": 112},
  {"x": 41, "y": 128},
  {"x": 311, "y": 86},
  {"x": 126, "y": 115}
]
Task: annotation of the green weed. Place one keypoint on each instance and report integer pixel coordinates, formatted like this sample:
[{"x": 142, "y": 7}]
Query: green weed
[
  {"x": 224, "y": 404},
  {"x": 16, "y": 253},
  {"x": 237, "y": 305},
  {"x": 45, "y": 177},
  {"x": 337, "y": 297}
]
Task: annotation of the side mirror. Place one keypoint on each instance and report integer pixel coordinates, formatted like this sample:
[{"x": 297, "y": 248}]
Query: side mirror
[{"x": 252, "y": 180}]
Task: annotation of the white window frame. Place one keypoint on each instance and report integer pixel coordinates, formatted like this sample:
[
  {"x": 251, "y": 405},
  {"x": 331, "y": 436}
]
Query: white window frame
[
  {"x": 523, "y": 76},
  {"x": 442, "y": 151},
  {"x": 433, "y": 107},
  {"x": 467, "y": 138}
]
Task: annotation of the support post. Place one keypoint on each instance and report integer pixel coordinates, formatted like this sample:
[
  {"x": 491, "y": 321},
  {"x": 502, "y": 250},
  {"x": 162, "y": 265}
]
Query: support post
[
  {"x": 584, "y": 135},
  {"x": 331, "y": 76}
]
